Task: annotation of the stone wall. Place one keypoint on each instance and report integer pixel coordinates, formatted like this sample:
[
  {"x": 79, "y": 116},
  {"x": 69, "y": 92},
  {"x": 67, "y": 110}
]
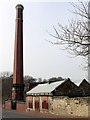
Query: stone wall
[
  {"x": 69, "y": 106},
  {"x": 61, "y": 105},
  {"x": 89, "y": 107}
]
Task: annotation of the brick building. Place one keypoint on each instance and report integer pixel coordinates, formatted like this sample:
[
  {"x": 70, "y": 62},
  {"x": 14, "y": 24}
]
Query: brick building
[
  {"x": 60, "y": 97},
  {"x": 39, "y": 97}
]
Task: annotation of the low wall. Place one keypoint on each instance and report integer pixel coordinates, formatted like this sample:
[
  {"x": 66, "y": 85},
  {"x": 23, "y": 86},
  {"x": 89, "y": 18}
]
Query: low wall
[
  {"x": 7, "y": 104},
  {"x": 21, "y": 106},
  {"x": 89, "y": 107},
  {"x": 69, "y": 106}
]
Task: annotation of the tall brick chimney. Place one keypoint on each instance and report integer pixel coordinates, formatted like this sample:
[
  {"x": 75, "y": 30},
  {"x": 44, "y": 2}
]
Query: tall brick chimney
[{"x": 18, "y": 83}]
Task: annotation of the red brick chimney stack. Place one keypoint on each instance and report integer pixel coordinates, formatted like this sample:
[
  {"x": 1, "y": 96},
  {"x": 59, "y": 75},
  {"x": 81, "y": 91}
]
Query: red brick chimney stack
[{"x": 18, "y": 83}]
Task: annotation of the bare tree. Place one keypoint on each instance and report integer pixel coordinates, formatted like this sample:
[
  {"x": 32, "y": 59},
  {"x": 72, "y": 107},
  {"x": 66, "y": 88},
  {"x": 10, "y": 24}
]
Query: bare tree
[
  {"x": 5, "y": 74},
  {"x": 76, "y": 36}
]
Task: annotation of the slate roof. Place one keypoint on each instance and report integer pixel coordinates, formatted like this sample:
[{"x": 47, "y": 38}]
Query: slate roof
[
  {"x": 84, "y": 87},
  {"x": 44, "y": 88},
  {"x": 61, "y": 88}
]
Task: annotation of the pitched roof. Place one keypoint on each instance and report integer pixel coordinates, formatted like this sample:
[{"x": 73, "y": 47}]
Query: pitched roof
[
  {"x": 85, "y": 85},
  {"x": 44, "y": 88}
]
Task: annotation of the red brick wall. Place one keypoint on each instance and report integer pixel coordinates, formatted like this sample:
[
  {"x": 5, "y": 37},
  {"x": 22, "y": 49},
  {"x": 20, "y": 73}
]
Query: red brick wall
[
  {"x": 45, "y": 103},
  {"x": 7, "y": 104},
  {"x": 21, "y": 106},
  {"x": 45, "y": 98},
  {"x": 37, "y": 98},
  {"x": 29, "y": 99},
  {"x": 30, "y": 102},
  {"x": 37, "y": 104}
]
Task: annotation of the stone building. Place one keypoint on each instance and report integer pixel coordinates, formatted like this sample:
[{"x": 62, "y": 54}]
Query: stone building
[
  {"x": 61, "y": 97},
  {"x": 38, "y": 98},
  {"x": 84, "y": 88},
  {"x": 67, "y": 88}
]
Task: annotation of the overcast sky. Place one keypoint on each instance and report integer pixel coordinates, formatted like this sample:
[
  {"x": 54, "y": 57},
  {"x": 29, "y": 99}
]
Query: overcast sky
[{"x": 41, "y": 59}]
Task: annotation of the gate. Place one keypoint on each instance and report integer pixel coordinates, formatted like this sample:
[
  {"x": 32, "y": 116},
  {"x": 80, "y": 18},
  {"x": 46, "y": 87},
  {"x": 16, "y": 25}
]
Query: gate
[{"x": 13, "y": 104}]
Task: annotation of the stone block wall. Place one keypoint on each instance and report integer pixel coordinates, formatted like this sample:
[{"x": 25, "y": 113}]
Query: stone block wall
[
  {"x": 61, "y": 105},
  {"x": 57, "y": 105},
  {"x": 69, "y": 106},
  {"x": 89, "y": 107}
]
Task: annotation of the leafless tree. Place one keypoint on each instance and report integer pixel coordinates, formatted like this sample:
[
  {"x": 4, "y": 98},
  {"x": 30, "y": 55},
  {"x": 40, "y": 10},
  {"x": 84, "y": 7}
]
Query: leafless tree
[
  {"x": 75, "y": 37},
  {"x": 5, "y": 74}
]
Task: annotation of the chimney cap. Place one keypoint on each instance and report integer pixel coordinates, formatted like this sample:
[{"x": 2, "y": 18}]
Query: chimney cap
[{"x": 19, "y": 6}]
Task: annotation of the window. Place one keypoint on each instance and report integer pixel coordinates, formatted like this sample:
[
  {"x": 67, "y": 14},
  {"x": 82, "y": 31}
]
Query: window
[
  {"x": 44, "y": 104},
  {"x": 30, "y": 104}
]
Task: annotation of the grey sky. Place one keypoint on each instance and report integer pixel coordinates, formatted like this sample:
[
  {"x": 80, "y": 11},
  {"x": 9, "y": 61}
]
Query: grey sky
[{"x": 41, "y": 59}]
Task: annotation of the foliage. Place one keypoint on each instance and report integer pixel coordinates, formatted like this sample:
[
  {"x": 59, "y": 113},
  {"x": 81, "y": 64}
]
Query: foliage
[{"x": 6, "y": 80}]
